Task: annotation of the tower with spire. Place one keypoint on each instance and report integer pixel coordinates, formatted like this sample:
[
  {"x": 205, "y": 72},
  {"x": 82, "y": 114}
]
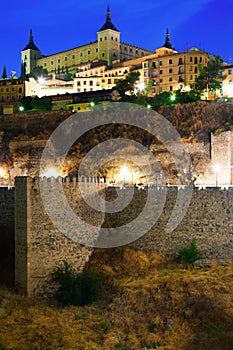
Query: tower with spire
[
  {"x": 167, "y": 43},
  {"x": 108, "y": 40},
  {"x": 30, "y": 54}
]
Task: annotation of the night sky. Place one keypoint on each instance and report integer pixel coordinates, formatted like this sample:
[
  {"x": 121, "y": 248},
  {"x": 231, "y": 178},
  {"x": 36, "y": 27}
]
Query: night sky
[{"x": 62, "y": 25}]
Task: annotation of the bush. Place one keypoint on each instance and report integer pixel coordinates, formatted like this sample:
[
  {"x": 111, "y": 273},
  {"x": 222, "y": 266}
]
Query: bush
[
  {"x": 75, "y": 288},
  {"x": 189, "y": 255}
]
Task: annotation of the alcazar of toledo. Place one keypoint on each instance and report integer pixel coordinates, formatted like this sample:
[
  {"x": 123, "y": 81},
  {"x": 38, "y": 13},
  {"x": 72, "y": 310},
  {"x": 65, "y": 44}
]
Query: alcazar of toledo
[{"x": 98, "y": 65}]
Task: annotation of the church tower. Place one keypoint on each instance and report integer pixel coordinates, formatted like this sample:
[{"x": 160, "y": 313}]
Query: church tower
[
  {"x": 167, "y": 43},
  {"x": 30, "y": 54},
  {"x": 108, "y": 41}
]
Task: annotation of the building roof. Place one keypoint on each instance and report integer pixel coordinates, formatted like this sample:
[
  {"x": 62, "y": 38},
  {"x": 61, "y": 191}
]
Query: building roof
[
  {"x": 31, "y": 45},
  {"x": 108, "y": 23},
  {"x": 167, "y": 43}
]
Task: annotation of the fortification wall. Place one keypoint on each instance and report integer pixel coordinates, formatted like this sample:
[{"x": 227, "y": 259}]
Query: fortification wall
[
  {"x": 209, "y": 219},
  {"x": 39, "y": 245},
  {"x": 7, "y": 236},
  {"x": 221, "y": 154}
]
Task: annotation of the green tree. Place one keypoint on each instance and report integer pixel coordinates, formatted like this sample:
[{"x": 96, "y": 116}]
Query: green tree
[
  {"x": 190, "y": 254},
  {"x": 209, "y": 76},
  {"x": 187, "y": 96},
  {"x": 38, "y": 72},
  {"x": 23, "y": 74},
  {"x": 75, "y": 288},
  {"x": 162, "y": 99},
  {"x": 128, "y": 84},
  {"x": 4, "y": 75},
  {"x": 35, "y": 103}
]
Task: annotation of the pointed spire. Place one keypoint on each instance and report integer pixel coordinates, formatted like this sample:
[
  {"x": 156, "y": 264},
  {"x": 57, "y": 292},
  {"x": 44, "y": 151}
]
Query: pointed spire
[
  {"x": 108, "y": 15},
  {"x": 108, "y": 24},
  {"x": 167, "y": 41},
  {"x": 30, "y": 36},
  {"x": 31, "y": 45},
  {"x": 4, "y": 74}
]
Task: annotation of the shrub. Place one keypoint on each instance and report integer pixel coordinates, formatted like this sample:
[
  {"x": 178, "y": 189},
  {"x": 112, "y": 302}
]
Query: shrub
[
  {"x": 75, "y": 288},
  {"x": 189, "y": 255}
]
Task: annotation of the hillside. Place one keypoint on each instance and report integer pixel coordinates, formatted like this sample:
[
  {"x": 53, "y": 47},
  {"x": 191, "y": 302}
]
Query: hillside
[
  {"x": 23, "y": 137},
  {"x": 146, "y": 302}
]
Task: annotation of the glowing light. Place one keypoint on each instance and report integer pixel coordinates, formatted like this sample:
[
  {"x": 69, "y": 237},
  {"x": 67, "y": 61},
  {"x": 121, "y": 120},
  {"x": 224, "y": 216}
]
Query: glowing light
[
  {"x": 21, "y": 108},
  {"x": 216, "y": 168},
  {"x": 2, "y": 172},
  {"x": 41, "y": 80},
  {"x": 51, "y": 172},
  {"x": 173, "y": 97},
  {"x": 92, "y": 104},
  {"x": 141, "y": 86},
  {"x": 125, "y": 174},
  {"x": 149, "y": 106}
]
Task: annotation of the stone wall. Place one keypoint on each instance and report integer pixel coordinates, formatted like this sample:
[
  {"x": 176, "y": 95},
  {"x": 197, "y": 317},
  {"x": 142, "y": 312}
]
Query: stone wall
[
  {"x": 7, "y": 236},
  {"x": 39, "y": 245},
  {"x": 221, "y": 154},
  {"x": 209, "y": 219}
]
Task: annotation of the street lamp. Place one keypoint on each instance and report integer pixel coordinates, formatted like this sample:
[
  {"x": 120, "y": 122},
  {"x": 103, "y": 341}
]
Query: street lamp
[{"x": 216, "y": 168}]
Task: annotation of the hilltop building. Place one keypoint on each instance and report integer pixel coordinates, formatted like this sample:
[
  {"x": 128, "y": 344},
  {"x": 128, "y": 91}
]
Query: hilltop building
[
  {"x": 98, "y": 65},
  {"x": 108, "y": 47}
]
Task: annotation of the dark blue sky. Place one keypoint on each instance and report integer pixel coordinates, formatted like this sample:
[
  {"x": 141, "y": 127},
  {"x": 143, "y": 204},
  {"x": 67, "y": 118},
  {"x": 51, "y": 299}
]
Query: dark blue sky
[{"x": 57, "y": 26}]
